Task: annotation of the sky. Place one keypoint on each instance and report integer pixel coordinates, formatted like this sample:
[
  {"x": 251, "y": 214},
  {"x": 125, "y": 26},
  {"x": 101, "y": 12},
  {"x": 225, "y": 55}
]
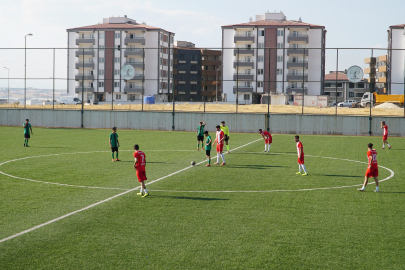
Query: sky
[{"x": 349, "y": 24}]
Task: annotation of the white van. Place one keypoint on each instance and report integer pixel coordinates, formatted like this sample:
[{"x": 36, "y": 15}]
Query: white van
[{"x": 69, "y": 100}]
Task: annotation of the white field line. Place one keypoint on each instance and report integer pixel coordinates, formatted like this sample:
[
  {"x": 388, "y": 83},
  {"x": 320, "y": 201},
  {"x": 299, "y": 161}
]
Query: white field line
[{"x": 100, "y": 202}]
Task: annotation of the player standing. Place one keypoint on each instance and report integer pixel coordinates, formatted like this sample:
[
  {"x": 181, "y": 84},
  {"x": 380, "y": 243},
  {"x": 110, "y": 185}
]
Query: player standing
[
  {"x": 114, "y": 144},
  {"x": 385, "y": 135},
  {"x": 139, "y": 166},
  {"x": 208, "y": 143},
  {"x": 200, "y": 135},
  {"x": 372, "y": 168},
  {"x": 219, "y": 140},
  {"x": 225, "y": 129},
  {"x": 267, "y": 140},
  {"x": 300, "y": 152},
  {"x": 27, "y": 128}
]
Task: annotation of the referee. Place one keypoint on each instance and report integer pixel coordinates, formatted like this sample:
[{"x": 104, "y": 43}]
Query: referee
[{"x": 225, "y": 129}]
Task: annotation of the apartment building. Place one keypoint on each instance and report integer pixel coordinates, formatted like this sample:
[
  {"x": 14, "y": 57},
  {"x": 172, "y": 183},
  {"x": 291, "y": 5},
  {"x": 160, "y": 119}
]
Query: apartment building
[
  {"x": 377, "y": 73},
  {"x": 196, "y": 73},
  {"x": 339, "y": 88},
  {"x": 396, "y": 59},
  {"x": 272, "y": 55},
  {"x": 96, "y": 54}
]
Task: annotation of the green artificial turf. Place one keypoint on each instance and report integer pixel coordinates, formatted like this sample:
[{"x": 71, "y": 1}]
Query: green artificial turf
[{"x": 253, "y": 213}]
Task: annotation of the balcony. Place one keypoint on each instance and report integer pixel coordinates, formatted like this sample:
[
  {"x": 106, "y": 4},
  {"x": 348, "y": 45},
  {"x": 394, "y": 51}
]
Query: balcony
[
  {"x": 210, "y": 83},
  {"x": 80, "y": 77},
  {"x": 370, "y": 60},
  {"x": 303, "y": 38},
  {"x": 80, "y": 52},
  {"x": 135, "y": 64},
  {"x": 211, "y": 73},
  {"x": 382, "y": 80},
  {"x": 243, "y": 51},
  {"x": 242, "y": 63},
  {"x": 133, "y": 89},
  {"x": 85, "y": 39},
  {"x": 135, "y": 40},
  {"x": 133, "y": 51},
  {"x": 297, "y": 77},
  {"x": 85, "y": 64},
  {"x": 298, "y": 51},
  {"x": 382, "y": 69},
  {"x": 297, "y": 64},
  {"x": 243, "y": 89},
  {"x": 382, "y": 58},
  {"x": 369, "y": 71},
  {"x": 211, "y": 62},
  {"x": 290, "y": 90},
  {"x": 85, "y": 89},
  {"x": 243, "y": 77},
  {"x": 250, "y": 38}
]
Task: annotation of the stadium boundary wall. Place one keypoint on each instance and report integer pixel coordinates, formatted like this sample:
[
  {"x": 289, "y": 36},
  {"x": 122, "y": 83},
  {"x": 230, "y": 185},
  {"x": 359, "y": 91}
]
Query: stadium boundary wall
[{"x": 186, "y": 121}]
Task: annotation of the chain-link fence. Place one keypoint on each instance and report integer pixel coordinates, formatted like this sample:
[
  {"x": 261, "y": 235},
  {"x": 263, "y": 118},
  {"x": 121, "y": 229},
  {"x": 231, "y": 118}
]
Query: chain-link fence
[{"x": 296, "y": 80}]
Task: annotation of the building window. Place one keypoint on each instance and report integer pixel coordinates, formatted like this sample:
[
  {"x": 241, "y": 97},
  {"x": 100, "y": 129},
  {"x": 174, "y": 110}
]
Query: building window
[
  {"x": 165, "y": 62},
  {"x": 193, "y": 87},
  {"x": 117, "y": 96},
  {"x": 280, "y": 33},
  {"x": 246, "y": 97},
  {"x": 100, "y": 84},
  {"x": 280, "y": 45},
  {"x": 102, "y": 47},
  {"x": 193, "y": 57},
  {"x": 359, "y": 94},
  {"x": 351, "y": 94},
  {"x": 101, "y": 35},
  {"x": 339, "y": 94},
  {"x": 360, "y": 85},
  {"x": 118, "y": 35},
  {"x": 181, "y": 56},
  {"x": 279, "y": 71},
  {"x": 260, "y": 72},
  {"x": 193, "y": 77},
  {"x": 260, "y": 45},
  {"x": 351, "y": 85},
  {"x": 280, "y": 58},
  {"x": 117, "y": 59},
  {"x": 181, "y": 77},
  {"x": 101, "y": 72},
  {"x": 181, "y": 87},
  {"x": 116, "y": 84},
  {"x": 261, "y": 33},
  {"x": 101, "y": 59},
  {"x": 260, "y": 84},
  {"x": 193, "y": 67},
  {"x": 181, "y": 67},
  {"x": 260, "y": 58},
  {"x": 116, "y": 72}
]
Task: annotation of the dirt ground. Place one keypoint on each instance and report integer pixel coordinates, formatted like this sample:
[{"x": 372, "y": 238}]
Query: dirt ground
[{"x": 227, "y": 108}]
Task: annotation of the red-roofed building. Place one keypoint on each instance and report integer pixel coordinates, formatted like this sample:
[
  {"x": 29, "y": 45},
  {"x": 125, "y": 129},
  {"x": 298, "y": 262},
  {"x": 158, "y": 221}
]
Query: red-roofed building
[
  {"x": 272, "y": 54},
  {"x": 338, "y": 85},
  {"x": 97, "y": 53}
]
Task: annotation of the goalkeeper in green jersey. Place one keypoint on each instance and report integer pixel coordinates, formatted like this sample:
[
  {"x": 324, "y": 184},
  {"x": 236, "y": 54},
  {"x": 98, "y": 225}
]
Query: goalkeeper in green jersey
[{"x": 225, "y": 129}]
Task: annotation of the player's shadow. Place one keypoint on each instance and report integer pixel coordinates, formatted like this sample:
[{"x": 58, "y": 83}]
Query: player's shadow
[
  {"x": 255, "y": 167},
  {"x": 191, "y": 198}
]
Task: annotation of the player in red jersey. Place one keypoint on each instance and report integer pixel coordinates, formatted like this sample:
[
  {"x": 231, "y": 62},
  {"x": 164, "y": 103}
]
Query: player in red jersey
[
  {"x": 219, "y": 140},
  {"x": 139, "y": 166},
  {"x": 385, "y": 135},
  {"x": 267, "y": 140},
  {"x": 300, "y": 152},
  {"x": 372, "y": 168}
]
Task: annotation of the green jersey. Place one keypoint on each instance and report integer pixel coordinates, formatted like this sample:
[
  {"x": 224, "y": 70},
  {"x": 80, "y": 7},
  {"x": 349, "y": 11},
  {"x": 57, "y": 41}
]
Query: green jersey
[
  {"x": 114, "y": 139},
  {"x": 225, "y": 129},
  {"x": 208, "y": 147},
  {"x": 200, "y": 130},
  {"x": 27, "y": 128}
]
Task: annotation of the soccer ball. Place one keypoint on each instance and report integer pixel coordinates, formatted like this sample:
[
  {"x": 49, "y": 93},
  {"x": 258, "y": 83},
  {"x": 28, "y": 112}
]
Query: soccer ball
[{"x": 192, "y": 163}]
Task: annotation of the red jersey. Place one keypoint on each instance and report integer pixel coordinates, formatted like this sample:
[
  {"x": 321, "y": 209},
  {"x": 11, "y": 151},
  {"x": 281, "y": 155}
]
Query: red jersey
[
  {"x": 219, "y": 137},
  {"x": 266, "y": 135},
  {"x": 385, "y": 130},
  {"x": 299, "y": 146},
  {"x": 141, "y": 162},
  {"x": 372, "y": 158}
]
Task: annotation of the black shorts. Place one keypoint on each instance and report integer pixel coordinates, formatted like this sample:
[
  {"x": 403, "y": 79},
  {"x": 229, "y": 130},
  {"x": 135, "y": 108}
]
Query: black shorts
[
  {"x": 226, "y": 138},
  {"x": 27, "y": 135},
  {"x": 200, "y": 138},
  {"x": 208, "y": 152},
  {"x": 114, "y": 149}
]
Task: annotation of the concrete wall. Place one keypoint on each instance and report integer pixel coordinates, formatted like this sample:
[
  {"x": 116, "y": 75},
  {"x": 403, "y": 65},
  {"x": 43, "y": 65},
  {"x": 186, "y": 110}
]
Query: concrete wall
[{"x": 279, "y": 123}]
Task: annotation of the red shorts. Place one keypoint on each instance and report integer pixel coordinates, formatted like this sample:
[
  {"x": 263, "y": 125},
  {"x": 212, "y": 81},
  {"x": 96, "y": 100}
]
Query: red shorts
[
  {"x": 372, "y": 172},
  {"x": 385, "y": 137},
  {"x": 301, "y": 160},
  {"x": 141, "y": 176},
  {"x": 220, "y": 147},
  {"x": 268, "y": 141}
]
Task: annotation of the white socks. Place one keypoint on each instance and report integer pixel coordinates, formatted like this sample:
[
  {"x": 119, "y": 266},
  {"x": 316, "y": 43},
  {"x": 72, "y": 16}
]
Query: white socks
[
  {"x": 303, "y": 167},
  {"x": 223, "y": 158},
  {"x": 217, "y": 158},
  {"x": 267, "y": 147}
]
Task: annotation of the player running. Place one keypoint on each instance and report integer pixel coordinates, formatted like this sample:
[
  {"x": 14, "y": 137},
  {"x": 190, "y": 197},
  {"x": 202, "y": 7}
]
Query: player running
[
  {"x": 219, "y": 140},
  {"x": 139, "y": 166},
  {"x": 267, "y": 140},
  {"x": 114, "y": 144},
  {"x": 225, "y": 129},
  {"x": 300, "y": 152},
  {"x": 200, "y": 135},
  {"x": 385, "y": 135},
  {"x": 208, "y": 143},
  {"x": 27, "y": 128},
  {"x": 372, "y": 168}
]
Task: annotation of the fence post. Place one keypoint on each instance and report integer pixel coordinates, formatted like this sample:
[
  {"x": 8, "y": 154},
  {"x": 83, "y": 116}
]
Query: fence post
[
  {"x": 53, "y": 89},
  {"x": 268, "y": 95},
  {"x": 82, "y": 87},
  {"x": 337, "y": 68},
  {"x": 371, "y": 95},
  {"x": 237, "y": 81}
]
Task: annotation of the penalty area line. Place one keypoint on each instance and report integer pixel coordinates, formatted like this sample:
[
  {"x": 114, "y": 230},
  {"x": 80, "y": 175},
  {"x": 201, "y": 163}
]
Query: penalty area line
[{"x": 103, "y": 201}]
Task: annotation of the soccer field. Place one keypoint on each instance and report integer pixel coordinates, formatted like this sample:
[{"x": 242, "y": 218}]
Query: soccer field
[{"x": 65, "y": 205}]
